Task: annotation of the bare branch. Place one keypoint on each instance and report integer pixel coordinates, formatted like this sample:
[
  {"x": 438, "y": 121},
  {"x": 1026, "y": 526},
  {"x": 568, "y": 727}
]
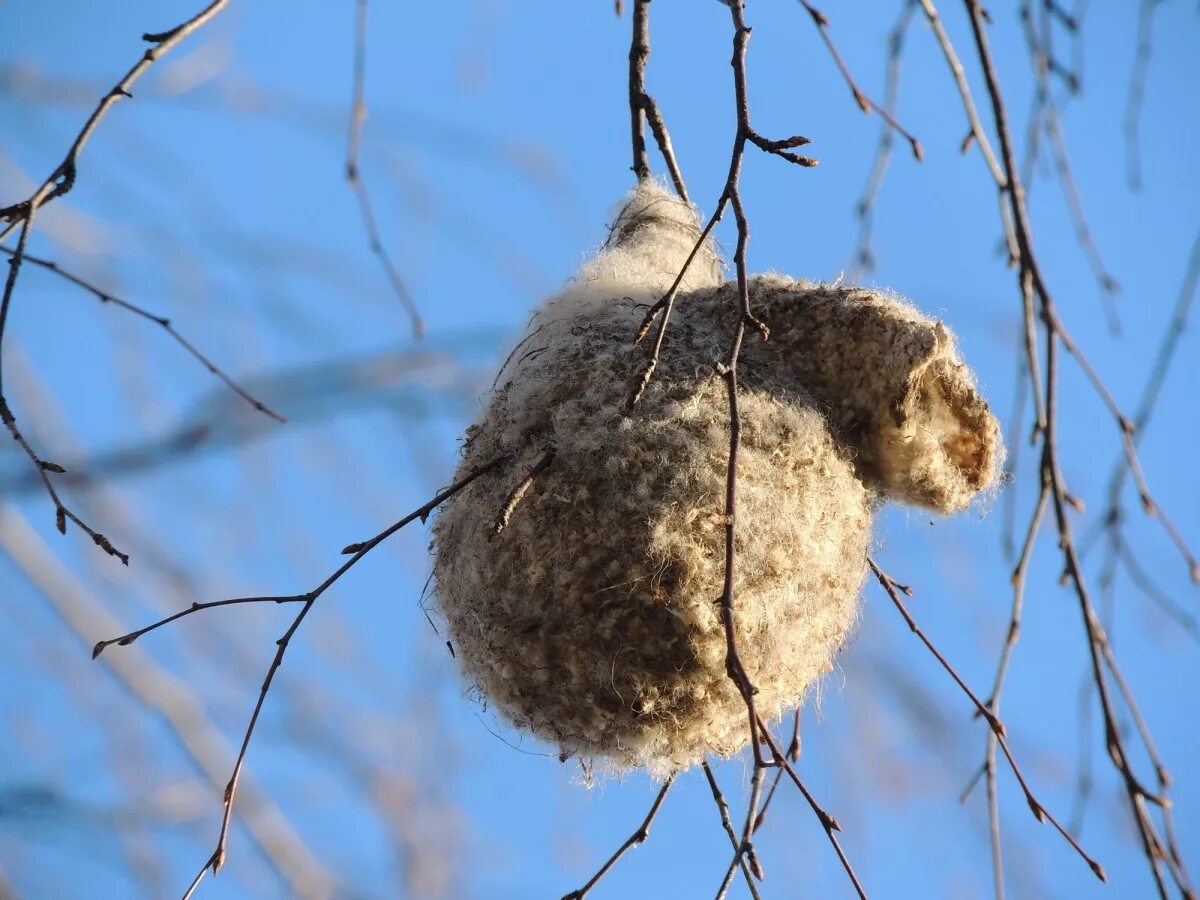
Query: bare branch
[
  {"x": 521, "y": 489},
  {"x": 1113, "y": 516},
  {"x": 865, "y": 102},
  {"x": 1045, "y": 114},
  {"x": 60, "y": 181},
  {"x": 793, "y": 754},
  {"x": 169, "y": 698},
  {"x": 977, "y": 134},
  {"x": 162, "y": 322},
  {"x": 359, "y": 550},
  {"x": 747, "y": 859},
  {"x": 864, "y": 259},
  {"x": 126, "y": 639},
  {"x": 634, "y": 840},
  {"x": 1137, "y": 94},
  {"x": 828, "y": 822},
  {"x": 730, "y": 197},
  {"x": 1030, "y": 277},
  {"x": 743, "y": 849},
  {"x": 643, "y": 108},
  {"x": 358, "y": 118},
  {"x": 997, "y": 726}
]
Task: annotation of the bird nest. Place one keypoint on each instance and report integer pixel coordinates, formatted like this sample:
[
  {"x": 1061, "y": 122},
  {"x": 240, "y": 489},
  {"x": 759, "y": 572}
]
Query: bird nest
[{"x": 580, "y": 581}]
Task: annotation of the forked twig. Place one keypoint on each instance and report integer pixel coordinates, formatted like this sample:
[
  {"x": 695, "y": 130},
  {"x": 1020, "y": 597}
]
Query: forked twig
[
  {"x": 730, "y": 197},
  {"x": 746, "y": 858},
  {"x": 59, "y": 182},
  {"x": 1032, "y": 283},
  {"x": 359, "y": 550},
  {"x": 997, "y": 726},
  {"x": 643, "y": 108},
  {"x": 793, "y": 753},
  {"x": 126, "y": 639},
  {"x": 863, "y": 100},
  {"x": 743, "y": 848},
  {"x": 828, "y": 822}
]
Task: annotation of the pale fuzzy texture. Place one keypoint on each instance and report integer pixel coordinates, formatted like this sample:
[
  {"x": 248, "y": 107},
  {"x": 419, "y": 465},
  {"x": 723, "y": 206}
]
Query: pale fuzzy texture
[
  {"x": 891, "y": 383},
  {"x": 592, "y": 619}
]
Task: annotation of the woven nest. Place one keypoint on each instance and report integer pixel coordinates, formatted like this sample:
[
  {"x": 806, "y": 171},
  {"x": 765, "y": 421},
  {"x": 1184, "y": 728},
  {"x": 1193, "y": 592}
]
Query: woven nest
[{"x": 591, "y": 619}]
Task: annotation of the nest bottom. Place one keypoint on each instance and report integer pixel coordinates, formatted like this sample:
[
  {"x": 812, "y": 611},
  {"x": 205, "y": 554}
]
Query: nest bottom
[{"x": 593, "y": 619}]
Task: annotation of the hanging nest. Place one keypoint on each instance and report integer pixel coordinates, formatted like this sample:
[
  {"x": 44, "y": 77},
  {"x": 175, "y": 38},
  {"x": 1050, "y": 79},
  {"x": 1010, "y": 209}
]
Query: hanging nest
[{"x": 591, "y": 617}]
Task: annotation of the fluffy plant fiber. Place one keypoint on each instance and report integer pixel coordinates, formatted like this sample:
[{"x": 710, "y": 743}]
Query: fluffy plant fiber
[{"x": 591, "y": 619}]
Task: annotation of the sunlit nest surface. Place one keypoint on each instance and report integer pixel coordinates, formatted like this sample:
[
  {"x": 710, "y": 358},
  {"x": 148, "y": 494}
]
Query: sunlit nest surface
[{"x": 592, "y": 618}]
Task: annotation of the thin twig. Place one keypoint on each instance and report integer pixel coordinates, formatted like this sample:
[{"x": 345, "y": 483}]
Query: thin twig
[
  {"x": 1126, "y": 427},
  {"x": 359, "y": 550},
  {"x": 747, "y": 859},
  {"x": 730, "y": 197},
  {"x": 1030, "y": 276},
  {"x": 634, "y": 840},
  {"x": 997, "y": 726},
  {"x": 1045, "y": 114},
  {"x": 977, "y": 134},
  {"x": 664, "y": 305},
  {"x": 1019, "y": 576},
  {"x": 514, "y": 498},
  {"x": 1109, "y": 287},
  {"x": 733, "y": 663},
  {"x": 1137, "y": 94},
  {"x": 643, "y": 108},
  {"x": 744, "y": 847},
  {"x": 1162, "y": 775},
  {"x": 1144, "y": 583},
  {"x": 793, "y": 754},
  {"x": 1012, "y": 464},
  {"x": 163, "y": 322},
  {"x": 864, "y": 259},
  {"x": 745, "y": 133},
  {"x": 44, "y": 467},
  {"x": 1113, "y": 515},
  {"x": 59, "y": 182},
  {"x": 358, "y": 119},
  {"x": 828, "y": 822},
  {"x": 1170, "y": 341},
  {"x": 126, "y": 639},
  {"x": 62, "y": 179},
  {"x": 729, "y": 369},
  {"x": 173, "y": 700},
  {"x": 865, "y": 102}
]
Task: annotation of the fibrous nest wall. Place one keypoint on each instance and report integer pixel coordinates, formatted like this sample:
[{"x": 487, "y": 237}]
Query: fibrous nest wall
[{"x": 591, "y": 619}]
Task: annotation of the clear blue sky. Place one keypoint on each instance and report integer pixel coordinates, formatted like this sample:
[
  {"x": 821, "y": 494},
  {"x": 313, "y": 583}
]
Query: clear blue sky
[{"x": 496, "y": 146}]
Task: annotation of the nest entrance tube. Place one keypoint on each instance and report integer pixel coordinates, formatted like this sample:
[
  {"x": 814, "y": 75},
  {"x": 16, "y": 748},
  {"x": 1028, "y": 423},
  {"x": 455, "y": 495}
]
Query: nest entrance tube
[
  {"x": 591, "y": 619},
  {"x": 955, "y": 418}
]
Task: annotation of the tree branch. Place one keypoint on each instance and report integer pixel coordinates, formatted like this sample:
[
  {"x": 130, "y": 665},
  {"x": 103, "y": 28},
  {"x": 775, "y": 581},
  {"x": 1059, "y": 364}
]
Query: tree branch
[{"x": 358, "y": 118}]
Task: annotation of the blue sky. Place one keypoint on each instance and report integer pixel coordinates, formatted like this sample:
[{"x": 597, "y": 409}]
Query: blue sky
[{"x": 496, "y": 146}]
